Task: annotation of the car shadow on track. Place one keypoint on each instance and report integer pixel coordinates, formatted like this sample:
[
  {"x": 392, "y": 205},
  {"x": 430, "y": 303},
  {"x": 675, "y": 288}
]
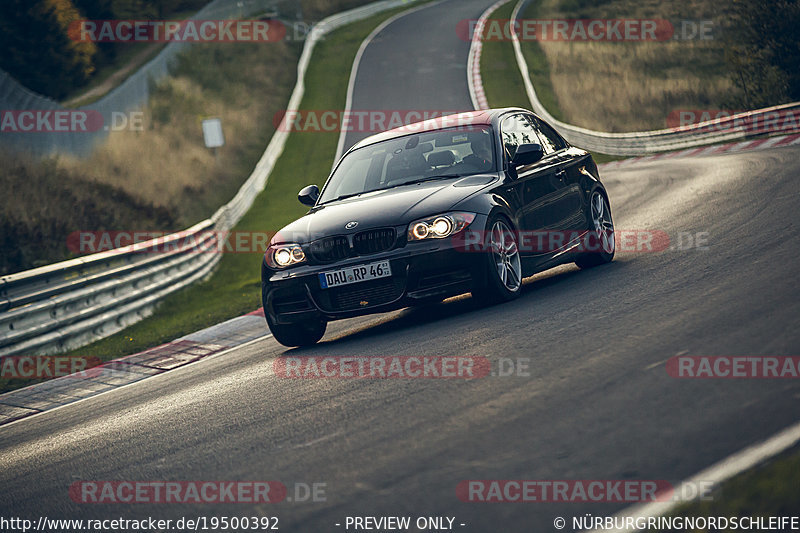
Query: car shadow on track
[{"x": 458, "y": 307}]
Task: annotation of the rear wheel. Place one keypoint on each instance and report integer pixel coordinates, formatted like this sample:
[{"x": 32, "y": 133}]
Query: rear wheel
[
  {"x": 300, "y": 334},
  {"x": 504, "y": 269},
  {"x": 601, "y": 233}
]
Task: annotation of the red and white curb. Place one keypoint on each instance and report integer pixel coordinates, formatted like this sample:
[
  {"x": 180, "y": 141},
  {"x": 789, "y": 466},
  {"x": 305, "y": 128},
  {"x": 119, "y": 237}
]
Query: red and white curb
[
  {"x": 474, "y": 79},
  {"x": 57, "y": 392},
  {"x": 742, "y": 146}
]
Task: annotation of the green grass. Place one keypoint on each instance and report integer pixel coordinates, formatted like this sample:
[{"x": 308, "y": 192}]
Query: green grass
[
  {"x": 502, "y": 80},
  {"x": 772, "y": 489},
  {"x": 235, "y": 287},
  {"x": 601, "y": 158},
  {"x": 539, "y": 68}
]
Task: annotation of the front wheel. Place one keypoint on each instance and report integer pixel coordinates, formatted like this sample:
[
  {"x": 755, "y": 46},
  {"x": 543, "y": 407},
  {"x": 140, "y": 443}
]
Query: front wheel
[
  {"x": 504, "y": 269},
  {"x": 601, "y": 231},
  {"x": 300, "y": 334}
]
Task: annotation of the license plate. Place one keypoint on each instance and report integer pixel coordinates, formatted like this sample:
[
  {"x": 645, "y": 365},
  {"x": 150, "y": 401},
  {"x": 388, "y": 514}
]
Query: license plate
[{"x": 354, "y": 274}]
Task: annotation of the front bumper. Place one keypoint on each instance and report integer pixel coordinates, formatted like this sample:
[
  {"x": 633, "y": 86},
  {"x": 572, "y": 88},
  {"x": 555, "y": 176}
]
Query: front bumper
[{"x": 422, "y": 271}]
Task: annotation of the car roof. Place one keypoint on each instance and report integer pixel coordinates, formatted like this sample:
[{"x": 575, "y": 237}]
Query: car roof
[{"x": 483, "y": 117}]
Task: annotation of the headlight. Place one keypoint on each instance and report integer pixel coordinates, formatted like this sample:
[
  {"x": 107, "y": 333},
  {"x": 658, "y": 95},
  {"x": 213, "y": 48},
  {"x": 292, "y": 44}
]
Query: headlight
[
  {"x": 284, "y": 255},
  {"x": 439, "y": 226}
]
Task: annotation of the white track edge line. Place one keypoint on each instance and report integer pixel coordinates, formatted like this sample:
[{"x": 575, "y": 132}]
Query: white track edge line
[
  {"x": 354, "y": 71},
  {"x": 720, "y": 471},
  {"x": 474, "y": 70}
]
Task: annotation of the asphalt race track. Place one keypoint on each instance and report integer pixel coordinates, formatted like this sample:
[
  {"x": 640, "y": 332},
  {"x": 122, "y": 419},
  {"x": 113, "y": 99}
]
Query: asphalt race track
[
  {"x": 597, "y": 403},
  {"x": 416, "y": 63}
]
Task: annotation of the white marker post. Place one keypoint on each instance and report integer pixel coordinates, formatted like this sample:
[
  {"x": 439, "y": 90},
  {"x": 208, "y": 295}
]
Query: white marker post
[{"x": 212, "y": 134}]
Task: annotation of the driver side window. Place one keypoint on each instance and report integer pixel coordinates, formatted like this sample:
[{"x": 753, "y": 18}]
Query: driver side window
[
  {"x": 517, "y": 130},
  {"x": 551, "y": 141}
]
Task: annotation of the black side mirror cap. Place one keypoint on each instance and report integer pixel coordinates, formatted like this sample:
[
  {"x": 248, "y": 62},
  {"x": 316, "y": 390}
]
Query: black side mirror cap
[
  {"x": 527, "y": 154},
  {"x": 309, "y": 195}
]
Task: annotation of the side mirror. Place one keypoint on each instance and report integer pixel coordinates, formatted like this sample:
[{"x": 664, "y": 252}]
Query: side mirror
[
  {"x": 527, "y": 154},
  {"x": 309, "y": 195}
]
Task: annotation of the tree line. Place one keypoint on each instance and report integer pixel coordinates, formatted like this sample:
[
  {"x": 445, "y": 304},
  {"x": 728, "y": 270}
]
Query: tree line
[
  {"x": 763, "y": 52},
  {"x": 38, "y": 52}
]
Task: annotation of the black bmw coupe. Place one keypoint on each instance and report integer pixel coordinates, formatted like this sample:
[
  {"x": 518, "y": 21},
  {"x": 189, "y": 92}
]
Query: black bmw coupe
[{"x": 472, "y": 202}]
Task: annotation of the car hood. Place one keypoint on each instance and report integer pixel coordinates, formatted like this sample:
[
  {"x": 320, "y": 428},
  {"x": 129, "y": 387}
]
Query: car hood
[{"x": 388, "y": 207}]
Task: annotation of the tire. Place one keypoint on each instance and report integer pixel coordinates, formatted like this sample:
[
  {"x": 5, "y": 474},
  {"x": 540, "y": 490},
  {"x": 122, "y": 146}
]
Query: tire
[
  {"x": 300, "y": 334},
  {"x": 601, "y": 232},
  {"x": 503, "y": 264}
]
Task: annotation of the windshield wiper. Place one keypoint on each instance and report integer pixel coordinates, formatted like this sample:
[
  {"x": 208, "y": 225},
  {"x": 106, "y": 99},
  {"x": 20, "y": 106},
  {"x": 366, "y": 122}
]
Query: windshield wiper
[
  {"x": 344, "y": 197},
  {"x": 428, "y": 178}
]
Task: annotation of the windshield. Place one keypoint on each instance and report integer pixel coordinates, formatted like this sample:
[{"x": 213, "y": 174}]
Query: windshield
[{"x": 430, "y": 155}]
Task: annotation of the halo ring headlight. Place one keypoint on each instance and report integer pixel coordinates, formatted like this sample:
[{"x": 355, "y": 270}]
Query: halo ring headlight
[
  {"x": 284, "y": 255},
  {"x": 421, "y": 230},
  {"x": 439, "y": 226},
  {"x": 442, "y": 226}
]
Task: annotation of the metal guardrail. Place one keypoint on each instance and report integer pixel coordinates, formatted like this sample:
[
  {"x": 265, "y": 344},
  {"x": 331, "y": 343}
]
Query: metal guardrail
[
  {"x": 736, "y": 127},
  {"x": 69, "y": 304}
]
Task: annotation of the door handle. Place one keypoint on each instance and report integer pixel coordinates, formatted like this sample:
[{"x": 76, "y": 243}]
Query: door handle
[{"x": 561, "y": 174}]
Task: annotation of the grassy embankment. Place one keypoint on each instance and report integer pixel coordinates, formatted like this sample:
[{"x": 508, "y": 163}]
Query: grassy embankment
[
  {"x": 631, "y": 86},
  {"x": 161, "y": 178}
]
